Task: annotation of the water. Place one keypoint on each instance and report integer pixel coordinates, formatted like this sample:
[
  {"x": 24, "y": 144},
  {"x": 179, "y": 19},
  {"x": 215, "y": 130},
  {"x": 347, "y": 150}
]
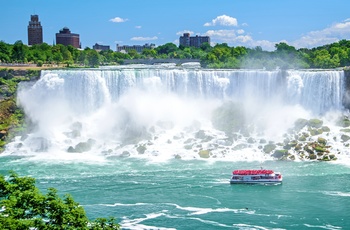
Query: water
[
  {"x": 145, "y": 127},
  {"x": 197, "y": 195}
]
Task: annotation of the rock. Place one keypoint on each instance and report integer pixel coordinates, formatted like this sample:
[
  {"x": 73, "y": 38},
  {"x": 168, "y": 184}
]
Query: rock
[
  {"x": 200, "y": 134},
  {"x": 315, "y": 123},
  {"x": 308, "y": 149},
  {"x": 344, "y": 137},
  {"x": 190, "y": 140},
  {"x": 82, "y": 147},
  {"x": 125, "y": 154},
  {"x": 322, "y": 140},
  {"x": 312, "y": 157},
  {"x": 141, "y": 149},
  {"x": 71, "y": 149},
  {"x": 262, "y": 141},
  {"x": 269, "y": 148},
  {"x": 251, "y": 140},
  {"x": 204, "y": 153},
  {"x": 240, "y": 146},
  {"x": 343, "y": 122},
  {"x": 3, "y": 134},
  {"x": 280, "y": 153},
  {"x": 300, "y": 124},
  {"x": 326, "y": 129},
  {"x": 325, "y": 158}
]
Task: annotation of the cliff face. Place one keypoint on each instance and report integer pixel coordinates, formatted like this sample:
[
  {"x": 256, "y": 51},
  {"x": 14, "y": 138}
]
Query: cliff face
[{"x": 11, "y": 116}]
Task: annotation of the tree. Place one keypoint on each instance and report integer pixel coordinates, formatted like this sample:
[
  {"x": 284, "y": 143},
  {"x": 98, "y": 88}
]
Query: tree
[
  {"x": 149, "y": 53},
  {"x": 19, "y": 52},
  {"x": 167, "y": 48},
  {"x": 4, "y": 52},
  {"x": 25, "y": 207}
]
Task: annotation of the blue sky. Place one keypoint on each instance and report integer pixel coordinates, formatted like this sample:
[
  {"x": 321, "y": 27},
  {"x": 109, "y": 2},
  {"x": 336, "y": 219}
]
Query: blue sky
[{"x": 250, "y": 23}]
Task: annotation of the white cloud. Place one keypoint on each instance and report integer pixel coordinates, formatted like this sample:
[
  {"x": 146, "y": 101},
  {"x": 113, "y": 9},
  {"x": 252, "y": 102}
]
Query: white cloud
[
  {"x": 118, "y": 20},
  {"x": 235, "y": 38},
  {"x": 333, "y": 33},
  {"x": 328, "y": 35},
  {"x": 144, "y": 38},
  {"x": 138, "y": 27},
  {"x": 223, "y": 20},
  {"x": 240, "y": 31}
]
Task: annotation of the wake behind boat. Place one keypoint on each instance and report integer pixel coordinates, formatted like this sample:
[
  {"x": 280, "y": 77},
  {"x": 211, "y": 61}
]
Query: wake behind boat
[{"x": 261, "y": 176}]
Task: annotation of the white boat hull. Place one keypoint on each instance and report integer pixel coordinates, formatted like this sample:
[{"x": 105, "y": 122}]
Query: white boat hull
[{"x": 255, "y": 182}]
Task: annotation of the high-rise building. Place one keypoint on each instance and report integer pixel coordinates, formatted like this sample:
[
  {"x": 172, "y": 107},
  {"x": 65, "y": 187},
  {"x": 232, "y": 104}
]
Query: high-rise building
[
  {"x": 65, "y": 37},
  {"x": 196, "y": 41},
  {"x": 35, "y": 31}
]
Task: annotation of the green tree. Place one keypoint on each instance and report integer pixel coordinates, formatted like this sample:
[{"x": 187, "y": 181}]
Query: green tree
[
  {"x": 5, "y": 52},
  {"x": 25, "y": 207},
  {"x": 19, "y": 52},
  {"x": 148, "y": 53},
  {"x": 167, "y": 48},
  {"x": 93, "y": 58},
  {"x": 133, "y": 54}
]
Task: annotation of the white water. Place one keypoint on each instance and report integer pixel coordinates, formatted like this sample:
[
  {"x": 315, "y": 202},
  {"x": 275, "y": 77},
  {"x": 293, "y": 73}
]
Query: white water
[{"x": 163, "y": 108}]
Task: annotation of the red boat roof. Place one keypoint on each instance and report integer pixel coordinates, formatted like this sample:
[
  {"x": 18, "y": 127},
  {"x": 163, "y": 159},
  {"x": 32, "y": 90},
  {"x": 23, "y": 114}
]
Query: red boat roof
[{"x": 252, "y": 172}]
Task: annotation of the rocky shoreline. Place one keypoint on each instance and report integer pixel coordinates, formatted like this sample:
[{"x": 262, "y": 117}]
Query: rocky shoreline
[{"x": 12, "y": 116}]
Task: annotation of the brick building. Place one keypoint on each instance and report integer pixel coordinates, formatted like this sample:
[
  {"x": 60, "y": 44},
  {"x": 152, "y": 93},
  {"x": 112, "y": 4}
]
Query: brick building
[
  {"x": 65, "y": 37},
  {"x": 196, "y": 41},
  {"x": 35, "y": 31}
]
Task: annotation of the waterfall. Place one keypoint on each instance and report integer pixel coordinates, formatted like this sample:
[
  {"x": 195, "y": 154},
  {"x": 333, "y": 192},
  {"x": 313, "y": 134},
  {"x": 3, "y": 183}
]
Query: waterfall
[
  {"x": 120, "y": 109},
  {"x": 87, "y": 90},
  {"x": 318, "y": 91}
]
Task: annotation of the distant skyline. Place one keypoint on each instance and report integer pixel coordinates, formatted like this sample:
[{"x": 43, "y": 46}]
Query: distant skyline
[{"x": 250, "y": 23}]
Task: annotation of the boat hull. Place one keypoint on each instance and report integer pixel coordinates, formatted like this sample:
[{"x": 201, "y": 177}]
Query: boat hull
[{"x": 255, "y": 182}]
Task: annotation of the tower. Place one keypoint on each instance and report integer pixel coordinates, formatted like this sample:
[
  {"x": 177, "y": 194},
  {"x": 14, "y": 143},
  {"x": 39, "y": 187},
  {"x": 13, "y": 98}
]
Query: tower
[{"x": 35, "y": 31}]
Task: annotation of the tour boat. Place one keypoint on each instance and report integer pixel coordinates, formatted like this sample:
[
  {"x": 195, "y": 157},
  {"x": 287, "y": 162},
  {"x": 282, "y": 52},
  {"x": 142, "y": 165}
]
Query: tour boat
[{"x": 261, "y": 176}]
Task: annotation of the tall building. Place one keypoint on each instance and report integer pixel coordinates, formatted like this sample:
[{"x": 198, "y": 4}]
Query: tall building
[
  {"x": 196, "y": 41},
  {"x": 65, "y": 37},
  {"x": 35, "y": 31}
]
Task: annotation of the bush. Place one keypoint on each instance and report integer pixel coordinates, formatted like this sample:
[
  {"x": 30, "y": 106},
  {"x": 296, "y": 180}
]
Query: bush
[{"x": 25, "y": 207}]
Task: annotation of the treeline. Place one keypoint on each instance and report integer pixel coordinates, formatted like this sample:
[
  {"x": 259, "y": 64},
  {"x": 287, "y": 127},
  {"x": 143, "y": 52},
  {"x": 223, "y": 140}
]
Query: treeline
[{"x": 219, "y": 56}]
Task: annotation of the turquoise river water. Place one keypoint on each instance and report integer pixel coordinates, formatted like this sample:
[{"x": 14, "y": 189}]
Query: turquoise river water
[{"x": 197, "y": 195}]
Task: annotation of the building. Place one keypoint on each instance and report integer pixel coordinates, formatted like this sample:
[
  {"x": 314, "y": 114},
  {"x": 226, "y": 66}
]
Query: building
[
  {"x": 98, "y": 47},
  {"x": 138, "y": 48},
  {"x": 35, "y": 31},
  {"x": 65, "y": 37},
  {"x": 196, "y": 41}
]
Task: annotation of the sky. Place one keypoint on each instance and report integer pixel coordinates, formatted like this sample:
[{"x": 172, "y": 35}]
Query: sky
[{"x": 249, "y": 23}]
